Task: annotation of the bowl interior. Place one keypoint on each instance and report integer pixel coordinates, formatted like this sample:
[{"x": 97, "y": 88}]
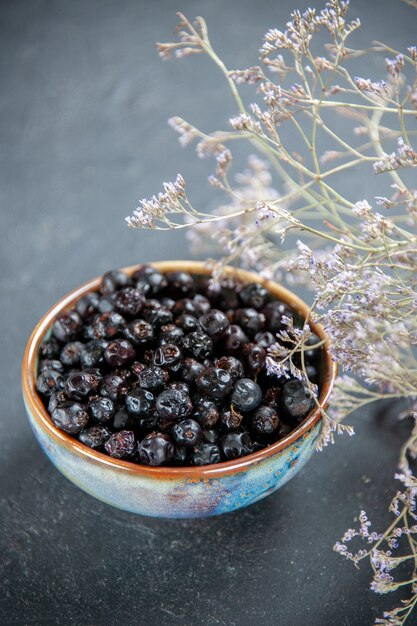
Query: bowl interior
[{"x": 35, "y": 405}]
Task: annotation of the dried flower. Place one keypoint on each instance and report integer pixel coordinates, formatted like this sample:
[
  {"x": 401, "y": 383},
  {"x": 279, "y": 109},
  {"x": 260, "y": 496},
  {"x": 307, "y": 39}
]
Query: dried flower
[{"x": 287, "y": 217}]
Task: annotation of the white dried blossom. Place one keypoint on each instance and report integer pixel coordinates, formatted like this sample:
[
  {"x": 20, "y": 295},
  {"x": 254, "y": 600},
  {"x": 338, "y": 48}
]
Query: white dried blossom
[
  {"x": 403, "y": 156},
  {"x": 377, "y": 88}
]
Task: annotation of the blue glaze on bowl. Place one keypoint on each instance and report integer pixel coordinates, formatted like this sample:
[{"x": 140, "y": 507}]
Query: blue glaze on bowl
[
  {"x": 172, "y": 492},
  {"x": 176, "y": 495}
]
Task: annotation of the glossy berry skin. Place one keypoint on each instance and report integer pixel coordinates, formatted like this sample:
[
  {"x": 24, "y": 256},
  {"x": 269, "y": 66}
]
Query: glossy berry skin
[
  {"x": 173, "y": 404},
  {"x": 224, "y": 298},
  {"x": 106, "y": 304},
  {"x": 140, "y": 403},
  {"x": 121, "y": 445},
  {"x": 95, "y": 436},
  {"x": 170, "y": 333},
  {"x": 107, "y": 325},
  {"x": 283, "y": 430},
  {"x": 58, "y": 398},
  {"x": 156, "y": 449},
  {"x": 115, "y": 279},
  {"x": 254, "y": 296},
  {"x": 312, "y": 374},
  {"x": 198, "y": 345},
  {"x": 180, "y": 284},
  {"x": 128, "y": 302},
  {"x": 273, "y": 313},
  {"x": 235, "y": 444},
  {"x": 250, "y": 320},
  {"x": 254, "y": 357},
  {"x": 170, "y": 362},
  {"x": 231, "y": 365},
  {"x": 230, "y": 420},
  {"x": 87, "y": 305},
  {"x": 295, "y": 400},
  {"x": 114, "y": 387},
  {"x": 247, "y": 395},
  {"x": 70, "y": 417},
  {"x": 187, "y": 322},
  {"x": 180, "y": 456},
  {"x": 101, "y": 409},
  {"x": 187, "y": 433},
  {"x": 235, "y": 339},
  {"x": 272, "y": 395},
  {"x": 205, "y": 454},
  {"x": 214, "y": 382},
  {"x": 186, "y": 305},
  {"x": 210, "y": 435},
  {"x": 157, "y": 316},
  {"x": 205, "y": 412},
  {"x": 265, "y": 339},
  {"x": 79, "y": 385},
  {"x": 152, "y": 377},
  {"x": 168, "y": 302},
  {"x": 67, "y": 326},
  {"x": 151, "y": 282},
  {"x": 50, "y": 349},
  {"x": 201, "y": 303},
  {"x": 139, "y": 332},
  {"x": 70, "y": 354},
  {"x": 49, "y": 381},
  {"x": 168, "y": 355},
  {"x": 119, "y": 353},
  {"x": 179, "y": 386},
  {"x": 214, "y": 323},
  {"x": 191, "y": 368},
  {"x": 122, "y": 420},
  {"x": 265, "y": 420},
  {"x": 92, "y": 354},
  {"x": 51, "y": 364}
]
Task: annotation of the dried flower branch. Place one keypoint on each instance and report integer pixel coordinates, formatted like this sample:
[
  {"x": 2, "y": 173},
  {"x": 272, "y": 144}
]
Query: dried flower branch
[{"x": 287, "y": 217}]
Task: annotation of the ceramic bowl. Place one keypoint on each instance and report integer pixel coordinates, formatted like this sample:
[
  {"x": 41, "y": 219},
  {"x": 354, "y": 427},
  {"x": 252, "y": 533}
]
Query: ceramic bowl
[{"x": 174, "y": 492}]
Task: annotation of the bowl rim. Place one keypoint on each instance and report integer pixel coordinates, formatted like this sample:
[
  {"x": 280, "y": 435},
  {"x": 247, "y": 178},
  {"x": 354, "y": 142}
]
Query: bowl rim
[{"x": 38, "y": 412}]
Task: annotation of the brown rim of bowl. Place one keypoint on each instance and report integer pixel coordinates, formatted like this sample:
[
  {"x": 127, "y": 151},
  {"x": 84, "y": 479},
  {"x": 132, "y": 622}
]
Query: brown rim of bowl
[{"x": 38, "y": 411}]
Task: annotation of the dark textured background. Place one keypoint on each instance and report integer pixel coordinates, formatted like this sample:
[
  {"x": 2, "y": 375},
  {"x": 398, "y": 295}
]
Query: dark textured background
[{"x": 84, "y": 101}]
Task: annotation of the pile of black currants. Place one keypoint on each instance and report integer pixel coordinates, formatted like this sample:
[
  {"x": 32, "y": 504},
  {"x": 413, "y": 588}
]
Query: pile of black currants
[{"x": 163, "y": 369}]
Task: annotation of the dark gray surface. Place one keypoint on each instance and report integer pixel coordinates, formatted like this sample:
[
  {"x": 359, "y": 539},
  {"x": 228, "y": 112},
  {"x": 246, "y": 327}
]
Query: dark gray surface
[{"x": 83, "y": 102}]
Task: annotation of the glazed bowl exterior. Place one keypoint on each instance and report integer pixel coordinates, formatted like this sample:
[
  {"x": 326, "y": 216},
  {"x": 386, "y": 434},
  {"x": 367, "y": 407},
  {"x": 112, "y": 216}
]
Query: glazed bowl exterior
[{"x": 173, "y": 492}]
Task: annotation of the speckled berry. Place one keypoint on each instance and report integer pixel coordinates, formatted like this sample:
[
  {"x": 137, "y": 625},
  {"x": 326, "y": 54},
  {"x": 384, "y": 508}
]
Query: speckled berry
[
  {"x": 119, "y": 353},
  {"x": 295, "y": 400},
  {"x": 49, "y": 381},
  {"x": 152, "y": 377},
  {"x": 67, "y": 326},
  {"x": 70, "y": 353},
  {"x": 95, "y": 436},
  {"x": 128, "y": 302},
  {"x": 214, "y": 323},
  {"x": 198, "y": 345},
  {"x": 187, "y": 433},
  {"x": 173, "y": 404},
  {"x": 121, "y": 445},
  {"x": 265, "y": 420}
]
